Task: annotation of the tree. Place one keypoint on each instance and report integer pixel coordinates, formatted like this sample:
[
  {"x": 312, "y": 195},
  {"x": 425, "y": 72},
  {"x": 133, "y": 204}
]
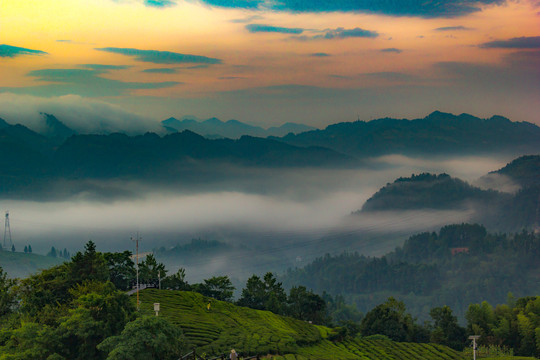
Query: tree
[
  {"x": 150, "y": 270},
  {"x": 264, "y": 295},
  {"x": 176, "y": 281},
  {"x": 52, "y": 252},
  {"x": 254, "y": 294},
  {"x": 90, "y": 265},
  {"x": 121, "y": 269},
  {"x": 100, "y": 311},
  {"x": 217, "y": 287},
  {"x": 306, "y": 305},
  {"x": 31, "y": 341},
  {"x": 147, "y": 338},
  {"x": 7, "y": 295},
  {"x": 25, "y": 249},
  {"x": 30, "y": 249},
  {"x": 389, "y": 319},
  {"x": 446, "y": 328},
  {"x": 12, "y": 248}
]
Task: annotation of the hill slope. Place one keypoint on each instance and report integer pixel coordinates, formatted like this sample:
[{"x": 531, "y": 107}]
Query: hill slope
[
  {"x": 226, "y": 326},
  {"x": 21, "y": 265}
]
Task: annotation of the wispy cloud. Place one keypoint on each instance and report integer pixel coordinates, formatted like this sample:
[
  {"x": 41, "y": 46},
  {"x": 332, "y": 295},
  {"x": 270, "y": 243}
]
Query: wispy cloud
[
  {"x": 255, "y": 28},
  {"x": 247, "y": 19},
  {"x": 159, "y": 3},
  {"x": 392, "y": 50},
  {"x": 161, "y": 57},
  {"x": 452, "y": 28},
  {"x": 339, "y": 33},
  {"x": 524, "y": 42},
  {"x": 160, "y": 71},
  {"x": 105, "y": 67},
  {"x": 84, "y": 82},
  {"x": 13, "y": 51}
]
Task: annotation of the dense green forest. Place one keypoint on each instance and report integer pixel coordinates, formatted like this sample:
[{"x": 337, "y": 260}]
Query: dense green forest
[
  {"x": 80, "y": 310},
  {"x": 461, "y": 264}
]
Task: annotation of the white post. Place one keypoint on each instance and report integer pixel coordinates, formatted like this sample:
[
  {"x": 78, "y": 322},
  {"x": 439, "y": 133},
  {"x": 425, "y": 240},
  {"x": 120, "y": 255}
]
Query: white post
[{"x": 156, "y": 308}]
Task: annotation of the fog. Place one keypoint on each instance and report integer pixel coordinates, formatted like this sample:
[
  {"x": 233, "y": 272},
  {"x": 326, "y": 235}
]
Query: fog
[
  {"x": 80, "y": 114},
  {"x": 271, "y": 219}
]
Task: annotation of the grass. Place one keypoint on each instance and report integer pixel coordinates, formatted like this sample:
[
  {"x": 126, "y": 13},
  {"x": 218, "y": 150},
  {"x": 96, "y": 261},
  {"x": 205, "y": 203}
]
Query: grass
[{"x": 21, "y": 265}]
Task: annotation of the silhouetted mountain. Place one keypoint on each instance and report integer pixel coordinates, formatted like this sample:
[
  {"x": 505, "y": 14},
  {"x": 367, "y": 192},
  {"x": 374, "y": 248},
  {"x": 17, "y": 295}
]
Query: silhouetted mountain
[
  {"x": 3, "y": 123},
  {"x": 437, "y": 134},
  {"x": 55, "y": 129},
  {"x": 524, "y": 170},
  {"x": 150, "y": 155},
  {"x": 233, "y": 129},
  {"x": 427, "y": 191},
  {"x": 499, "y": 211}
]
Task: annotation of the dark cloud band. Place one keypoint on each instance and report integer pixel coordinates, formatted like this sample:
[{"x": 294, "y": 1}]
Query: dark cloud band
[
  {"x": 161, "y": 57},
  {"x": 418, "y": 8},
  {"x": 524, "y": 42},
  {"x": 13, "y": 51},
  {"x": 254, "y": 28}
]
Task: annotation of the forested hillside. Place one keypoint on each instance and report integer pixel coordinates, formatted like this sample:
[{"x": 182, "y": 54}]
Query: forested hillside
[{"x": 430, "y": 269}]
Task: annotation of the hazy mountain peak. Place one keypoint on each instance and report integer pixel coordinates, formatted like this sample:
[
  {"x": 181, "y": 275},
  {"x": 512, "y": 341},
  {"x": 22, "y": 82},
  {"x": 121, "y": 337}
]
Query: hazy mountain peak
[
  {"x": 56, "y": 128},
  {"x": 3, "y": 123}
]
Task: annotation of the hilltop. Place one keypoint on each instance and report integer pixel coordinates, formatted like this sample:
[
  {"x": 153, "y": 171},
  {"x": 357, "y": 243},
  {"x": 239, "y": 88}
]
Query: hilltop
[{"x": 20, "y": 265}]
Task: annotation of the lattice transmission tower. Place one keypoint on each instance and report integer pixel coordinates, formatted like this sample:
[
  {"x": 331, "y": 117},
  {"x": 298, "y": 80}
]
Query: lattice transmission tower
[{"x": 7, "y": 233}]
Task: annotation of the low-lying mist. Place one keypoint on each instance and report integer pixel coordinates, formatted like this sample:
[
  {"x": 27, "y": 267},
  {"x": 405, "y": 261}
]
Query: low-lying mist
[{"x": 272, "y": 219}]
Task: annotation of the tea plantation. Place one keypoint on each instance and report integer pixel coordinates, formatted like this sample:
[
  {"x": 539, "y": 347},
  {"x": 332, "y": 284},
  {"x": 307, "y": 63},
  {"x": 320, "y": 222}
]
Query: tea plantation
[{"x": 225, "y": 326}]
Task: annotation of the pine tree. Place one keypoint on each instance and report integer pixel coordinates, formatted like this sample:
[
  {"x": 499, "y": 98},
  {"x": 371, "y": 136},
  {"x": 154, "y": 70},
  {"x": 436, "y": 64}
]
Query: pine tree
[
  {"x": 25, "y": 249},
  {"x": 12, "y": 248},
  {"x": 52, "y": 253},
  {"x": 29, "y": 249}
]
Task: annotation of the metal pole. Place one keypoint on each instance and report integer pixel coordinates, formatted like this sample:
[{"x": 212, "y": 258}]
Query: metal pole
[{"x": 137, "y": 267}]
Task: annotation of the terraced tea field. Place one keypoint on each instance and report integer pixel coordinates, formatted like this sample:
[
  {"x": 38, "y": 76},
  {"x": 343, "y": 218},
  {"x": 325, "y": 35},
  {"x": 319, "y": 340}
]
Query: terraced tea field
[{"x": 226, "y": 326}]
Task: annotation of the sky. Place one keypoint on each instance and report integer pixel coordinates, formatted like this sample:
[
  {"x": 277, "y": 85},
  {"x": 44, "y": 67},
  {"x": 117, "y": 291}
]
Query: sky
[{"x": 268, "y": 62}]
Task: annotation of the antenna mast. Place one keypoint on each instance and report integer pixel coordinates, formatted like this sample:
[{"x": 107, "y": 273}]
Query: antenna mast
[
  {"x": 7, "y": 232},
  {"x": 136, "y": 240}
]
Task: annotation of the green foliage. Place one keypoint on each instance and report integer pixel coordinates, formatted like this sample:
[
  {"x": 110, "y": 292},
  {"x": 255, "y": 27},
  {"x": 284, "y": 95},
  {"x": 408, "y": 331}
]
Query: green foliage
[
  {"x": 90, "y": 265},
  {"x": 306, "y": 305},
  {"x": 389, "y": 319},
  {"x": 176, "y": 281},
  {"x": 446, "y": 330},
  {"x": 515, "y": 325},
  {"x": 266, "y": 294},
  {"x": 146, "y": 338},
  {"x": 31, "y": 341},
  {"x": 121, "y": 269},
  {"x": 150, "y": 270},
  {"x": 217, "y": 287},
  {"x": 424, "y": 273},
  {"x": 7, "y": 294}
]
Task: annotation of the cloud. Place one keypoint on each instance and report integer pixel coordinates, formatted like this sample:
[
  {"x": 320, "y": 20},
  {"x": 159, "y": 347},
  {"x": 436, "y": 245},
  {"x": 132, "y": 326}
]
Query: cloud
[
  {"x": 452, "y": 28},
  {"x": 247, "y": 19},
  {"x": 84, "y": 82},
  {"x": 342, "y": 33},
  {"x": 12, "y": 51},
  {"x": 524, "y": 42},
  {"x": 393, "y": 50},
  {"x": 241, "y": 4},
  {"x": 254, "y": 28},
  {"x": 339, "y": 33},
  {"x": 320, "y": 54},
  {"x": 105, "y": 67},
  {"x": 161, "y": 57},
  {"x": 160, "y": 71},
  {"x": 81, "y": 114},
  {"x": 159, "y": 3},
  {"x": 416, "y": 8}
]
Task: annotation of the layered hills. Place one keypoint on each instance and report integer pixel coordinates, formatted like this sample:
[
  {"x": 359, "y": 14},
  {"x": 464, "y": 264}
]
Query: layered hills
[{"x": 437, "y": 134}]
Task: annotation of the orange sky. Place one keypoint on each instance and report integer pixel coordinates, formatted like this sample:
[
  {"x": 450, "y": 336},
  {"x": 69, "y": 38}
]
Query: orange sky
[{"x": 423, "y": 69}]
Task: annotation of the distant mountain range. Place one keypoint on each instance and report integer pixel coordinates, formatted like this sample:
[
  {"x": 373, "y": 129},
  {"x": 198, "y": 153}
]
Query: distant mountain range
[
  {"x": 58, "y": 152},
  {"x": 498, "y": 210},
  {"x": 437, "y": 134},
  {"x": 214, "y": 128}
]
